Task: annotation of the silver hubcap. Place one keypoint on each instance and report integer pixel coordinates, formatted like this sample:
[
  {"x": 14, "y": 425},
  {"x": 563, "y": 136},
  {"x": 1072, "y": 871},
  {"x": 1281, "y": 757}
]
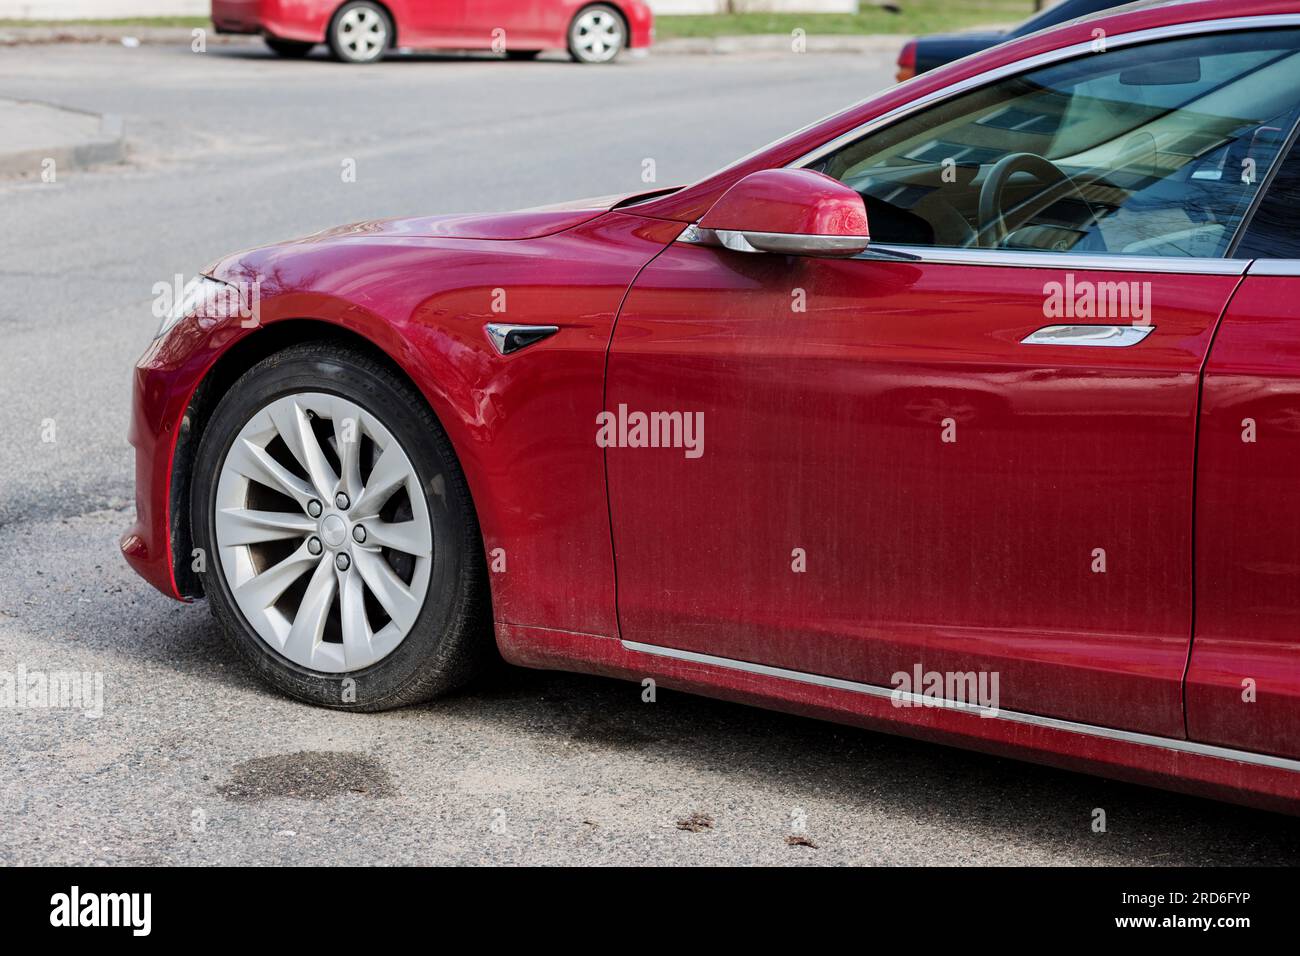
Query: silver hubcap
[
  {"x": 598, "y": 36},
  {"x": 362, "y": 33},
  {"x": 323, "y": 532}
]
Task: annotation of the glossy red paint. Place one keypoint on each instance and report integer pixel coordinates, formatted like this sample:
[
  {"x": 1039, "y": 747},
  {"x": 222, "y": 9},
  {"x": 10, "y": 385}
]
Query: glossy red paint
[
  {"x": 825, "y": 434},
  {"x": 797, "y": 202},
  {"x": 441, "y": 24},
  {"x": 524, "y": 430},
  {"x": 1243, "y": 686},
  {"x": 959, "y": 548}
]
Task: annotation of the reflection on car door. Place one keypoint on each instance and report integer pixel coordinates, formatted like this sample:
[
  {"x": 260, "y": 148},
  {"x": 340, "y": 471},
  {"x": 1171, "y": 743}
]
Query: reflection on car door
[
  {"x": 891, "y": 480},
  {"x": 1243, "y": 683},
  {"x": 1243, "y": 679},
  {"x": 897, "y": 479}
]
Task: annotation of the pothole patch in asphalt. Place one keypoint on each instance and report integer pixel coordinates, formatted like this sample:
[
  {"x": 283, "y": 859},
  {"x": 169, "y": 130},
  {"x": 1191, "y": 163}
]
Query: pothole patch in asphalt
[{"x": 307, "y": 775}]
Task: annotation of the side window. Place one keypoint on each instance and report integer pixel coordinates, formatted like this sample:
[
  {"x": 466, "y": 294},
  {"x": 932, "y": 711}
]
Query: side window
[
  {"x": 1153, "y": 150},
  {"x": 1272, "y": 232}
]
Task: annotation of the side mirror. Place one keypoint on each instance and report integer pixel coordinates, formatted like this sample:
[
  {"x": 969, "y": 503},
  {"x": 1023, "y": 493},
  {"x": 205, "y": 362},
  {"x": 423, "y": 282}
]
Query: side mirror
[{"x": 797, "y": 212}]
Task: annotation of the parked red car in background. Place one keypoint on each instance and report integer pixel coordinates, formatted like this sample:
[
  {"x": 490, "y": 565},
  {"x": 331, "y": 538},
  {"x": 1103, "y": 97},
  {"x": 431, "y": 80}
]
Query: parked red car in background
[{"x": 362, "y": 31}]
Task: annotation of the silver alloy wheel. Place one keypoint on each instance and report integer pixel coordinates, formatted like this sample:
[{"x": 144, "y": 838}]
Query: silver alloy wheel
[
  {"x": 363, "y": 33},
  {"x": 597, "y": 36},
  {"x": 323, "y": 532}
]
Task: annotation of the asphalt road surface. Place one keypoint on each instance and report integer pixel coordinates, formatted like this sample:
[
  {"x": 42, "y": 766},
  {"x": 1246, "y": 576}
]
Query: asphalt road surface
[{"x": 192, "y": 760}]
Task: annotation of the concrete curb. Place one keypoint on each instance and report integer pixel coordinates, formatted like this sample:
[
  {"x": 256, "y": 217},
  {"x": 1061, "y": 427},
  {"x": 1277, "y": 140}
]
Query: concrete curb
[
  {"x": 698, "y": 46},
  {"x": 780, "y": 43},
  {"x": 126, "y": 36},
  {"x": 77, "y": 139}
]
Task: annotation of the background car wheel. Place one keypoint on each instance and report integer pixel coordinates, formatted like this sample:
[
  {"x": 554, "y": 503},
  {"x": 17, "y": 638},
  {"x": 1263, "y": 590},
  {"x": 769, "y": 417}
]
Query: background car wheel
[
  {"x": 597, "y": 34},
  {"x": 360, "y": 32},
  {"x": 294, "y": 49},
  {"x": 343, "y": 556},
  {"x": 523, "y": 54}
]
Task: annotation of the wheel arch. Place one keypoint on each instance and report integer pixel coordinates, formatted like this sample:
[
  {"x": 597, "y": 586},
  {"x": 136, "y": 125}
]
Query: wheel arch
[{"x": 238, "y": 358}]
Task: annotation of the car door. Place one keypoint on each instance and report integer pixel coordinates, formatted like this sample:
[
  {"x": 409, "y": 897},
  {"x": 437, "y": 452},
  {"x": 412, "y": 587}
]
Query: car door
[
  {"x": 971, "y": 451},
  {"x": 430, "y": 22},
  {"x": 518, "y": 23},
  {"x": 1243, "y": 681}
]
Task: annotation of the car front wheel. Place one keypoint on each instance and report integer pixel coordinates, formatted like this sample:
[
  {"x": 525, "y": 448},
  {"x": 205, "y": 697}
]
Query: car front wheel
[
  {"x": 597, "y": 34},
  {"x": 343, "y": 555},
  {"x": 360, "y": 32}
]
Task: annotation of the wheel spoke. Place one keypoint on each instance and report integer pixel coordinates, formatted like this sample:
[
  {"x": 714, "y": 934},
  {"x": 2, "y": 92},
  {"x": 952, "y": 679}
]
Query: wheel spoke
[
  {"x": 347, "y": 443},
  {"x": 357, "y": 651},
  {"x": 409, "y": 537},
  {"x": 389, "y": 590},
  {"x": 309, "y": 623},
  {"x": 295, "y": 428},
  {"x": 243, "y": 526},
  {"x": 263, "y": 590},
  {"x": 390, "y": 473},
  {"x": 253, "y": 462}
]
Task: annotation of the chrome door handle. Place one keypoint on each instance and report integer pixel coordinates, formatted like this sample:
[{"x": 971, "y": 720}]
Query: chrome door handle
[{"x": 1095, "y": 336}]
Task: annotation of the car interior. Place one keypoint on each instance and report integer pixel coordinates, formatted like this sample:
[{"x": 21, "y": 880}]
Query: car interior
[{"x": 1151, "y": 150}]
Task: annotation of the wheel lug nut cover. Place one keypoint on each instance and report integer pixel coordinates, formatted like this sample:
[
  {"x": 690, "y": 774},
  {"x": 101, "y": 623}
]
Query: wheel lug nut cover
[
  {"x": 313, "y": 545},
  {"x": 359, "y": 534},
  {"x": 341, "y": 500},
  {"x": 313, "y": 508},
  {"x": 342, "y": 562}
]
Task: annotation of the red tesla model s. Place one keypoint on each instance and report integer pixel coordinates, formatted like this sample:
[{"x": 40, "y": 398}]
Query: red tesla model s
[
  {"x": 970, "y": 413},
  {"x": 362, "y": 31}
]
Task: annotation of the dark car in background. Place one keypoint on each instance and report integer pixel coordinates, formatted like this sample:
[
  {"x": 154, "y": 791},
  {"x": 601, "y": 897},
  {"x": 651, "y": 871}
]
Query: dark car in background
[{"x": 927, "y": 53}]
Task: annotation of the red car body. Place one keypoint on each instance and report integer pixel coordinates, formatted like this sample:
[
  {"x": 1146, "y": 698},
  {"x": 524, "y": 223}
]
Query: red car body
[
  {"x": 963, "y": 557},
  {"x": 433, "y": 24}
]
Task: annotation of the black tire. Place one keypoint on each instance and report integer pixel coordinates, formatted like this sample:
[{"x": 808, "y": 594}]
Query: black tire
[
  {"x": 337, "y": 36},
  {"x": 451, "y": 636},
  {"x": 576, "y": 29},
  {"x": 291, "y": 49},
  {"x": 523, "y": 54}
]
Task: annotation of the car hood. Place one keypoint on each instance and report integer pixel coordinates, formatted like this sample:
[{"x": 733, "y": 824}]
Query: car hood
[{"x": 530, "y": 223}]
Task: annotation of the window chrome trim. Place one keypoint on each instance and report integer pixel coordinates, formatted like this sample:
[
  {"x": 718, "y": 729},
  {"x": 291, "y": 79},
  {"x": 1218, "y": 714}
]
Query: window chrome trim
[
  {"x": 1064, "y": 261},
  {"x": 1195, "y": 28},
  {"x": 1054, "y": 723},
  {"x": 1275, "y": 267}
]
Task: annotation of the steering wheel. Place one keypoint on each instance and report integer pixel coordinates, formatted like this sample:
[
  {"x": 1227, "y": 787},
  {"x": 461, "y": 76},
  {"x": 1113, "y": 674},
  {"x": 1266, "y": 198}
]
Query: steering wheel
[{"x": 1057, "y": 183}]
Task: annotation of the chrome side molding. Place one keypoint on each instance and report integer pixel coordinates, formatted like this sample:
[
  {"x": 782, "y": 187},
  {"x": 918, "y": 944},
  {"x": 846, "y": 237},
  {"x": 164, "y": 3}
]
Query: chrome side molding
[
  {"x": 918, "y": 700},
  {"x": 512, "y": 338},
  {"x": 1077, "y": 262},
  {"x": 1091, "y": 336}
]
